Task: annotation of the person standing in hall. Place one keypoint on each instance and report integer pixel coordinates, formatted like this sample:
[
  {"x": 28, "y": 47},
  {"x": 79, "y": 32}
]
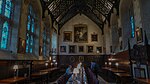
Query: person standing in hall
[
  {"x": 69, "y": 70},
  {"x": 94, "y": 68}
]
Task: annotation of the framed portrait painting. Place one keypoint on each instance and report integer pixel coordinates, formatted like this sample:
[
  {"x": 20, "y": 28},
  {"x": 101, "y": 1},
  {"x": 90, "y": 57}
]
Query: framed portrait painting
[
  {"x": 139, "y": 35},
  {"x": 67, "y": 36},
  {"x": 90, "y": 49},
  {"x": 94, "y": 37},
  {"x": 62, "y": 48},
  {"x": 21, "y": 45},
  {"x": 72, "y": 48},
  {"x": 99, "y": 49},
  {"x": 81, "y": 49},
  {"x": 80, "y": 33}
]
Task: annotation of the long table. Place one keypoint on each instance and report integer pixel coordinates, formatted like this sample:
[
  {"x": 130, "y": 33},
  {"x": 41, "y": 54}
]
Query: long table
[
  {"x": 12, "y": 80},
  {"x": 49, "y": 69},
  {"x": 143, "y": 81},
  {"x": 114, "y": 70}
]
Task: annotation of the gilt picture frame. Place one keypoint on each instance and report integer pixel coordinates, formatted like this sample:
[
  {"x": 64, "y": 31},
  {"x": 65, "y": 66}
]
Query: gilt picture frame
[
  {"x": 67, "y": 36},
  {"x": 80, "y": 33},
  {"x": 90, "y": 49},
  {"x": 80, "y": 49},
  {"x": 99, "y": 49},
  {"x": 21, "y": 46},
  {"x": 94, "y": 37},
  {"x": 139, "y": 35},
  {"x": 63, "y": 49},
  {"x": 72, "y": 48}
]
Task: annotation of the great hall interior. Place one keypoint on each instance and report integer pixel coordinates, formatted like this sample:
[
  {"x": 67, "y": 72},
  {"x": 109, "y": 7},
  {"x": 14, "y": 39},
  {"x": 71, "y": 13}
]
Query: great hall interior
[{"x": 74, "y": 42}]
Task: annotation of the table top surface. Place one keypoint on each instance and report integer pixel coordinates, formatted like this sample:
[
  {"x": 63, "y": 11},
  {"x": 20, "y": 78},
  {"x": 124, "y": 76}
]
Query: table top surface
[
  {"x": 143, "y": 80},
  {"x": 115, "y": 70},
  {"x": 12, "y": 80},
  {"x": 48, "y": 70},
  {"x": 123, "y": 74},
  {"x": 39, "y": 74}
]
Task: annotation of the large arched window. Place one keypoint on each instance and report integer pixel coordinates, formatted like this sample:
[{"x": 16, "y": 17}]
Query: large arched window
[
  {"x": 30, "y": 30},
  {"x": 132, "y": 27},
  {"x": 6, "y": 7},
  {"x": 54, "y": 42},
  {"x": 4, "y": 36},
  {"x": 1, "y": 2}
]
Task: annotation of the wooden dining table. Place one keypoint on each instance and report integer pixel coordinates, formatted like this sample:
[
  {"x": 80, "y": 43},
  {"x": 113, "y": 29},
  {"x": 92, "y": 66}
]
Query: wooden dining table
[
  {"x": 12, "y": 80},
  {"x": 143, "y": 80},
  {"x": 114, "y": 70},
  {"x": 38, "y": 74},
  {"x": 48, "y": 70},
  {"x": 123, "y": 74}
]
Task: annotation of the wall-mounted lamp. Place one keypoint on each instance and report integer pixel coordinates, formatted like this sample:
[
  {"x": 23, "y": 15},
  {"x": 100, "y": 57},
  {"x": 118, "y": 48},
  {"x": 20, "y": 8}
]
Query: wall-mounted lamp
[
  {"x": 117, "y": 64},
  {"x": 105, "y": 63},
  {"x": 51, "y": 64},
  {"x": 50, "y": 58},
  {"x": 15, "y": 67},
  {"x": 46, "y": 64},
  {"x": 54, "y": 60},
  {"x": 56, "y": 63},
  {"x": 110, "y": 64}
]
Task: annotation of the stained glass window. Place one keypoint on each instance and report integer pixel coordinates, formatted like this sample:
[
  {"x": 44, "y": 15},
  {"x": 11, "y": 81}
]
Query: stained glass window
[
  {"x": 132, "y": 27},
  {"x": 5, "y": 10},
  {"x": 30, "y": 30},
  {"x": 5, "y": 33},
  {"x": 54, "y": 41},
  {"x": 8, "y": 7},
  {"x": 1, "y": 6}
]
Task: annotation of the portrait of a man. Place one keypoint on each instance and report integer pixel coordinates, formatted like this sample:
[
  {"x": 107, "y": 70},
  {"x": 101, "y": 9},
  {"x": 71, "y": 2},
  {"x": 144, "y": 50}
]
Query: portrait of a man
[
  {"x": 72, "y": 49},
  {"x": 90, "y": 49},
  {"x": 94, "y": 37},
  {"x": 62, "y": 48},
  {"x": 21, "y": 46},
  {"x": 81, "y": 48},
  {"x": 139, "y": 35},
  {"x": 67, "y": 36}
]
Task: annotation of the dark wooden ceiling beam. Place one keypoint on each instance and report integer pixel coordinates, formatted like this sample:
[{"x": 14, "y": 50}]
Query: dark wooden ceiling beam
[{"x": 96, "y": 8}]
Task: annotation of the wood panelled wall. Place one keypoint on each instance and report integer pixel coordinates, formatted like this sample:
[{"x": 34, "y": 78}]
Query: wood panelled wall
[{"x": 74, "y": 59}]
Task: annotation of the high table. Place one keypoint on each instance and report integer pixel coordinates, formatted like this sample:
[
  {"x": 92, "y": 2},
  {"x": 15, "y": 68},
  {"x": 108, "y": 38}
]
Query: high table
[{"x": 12, "y": 80}]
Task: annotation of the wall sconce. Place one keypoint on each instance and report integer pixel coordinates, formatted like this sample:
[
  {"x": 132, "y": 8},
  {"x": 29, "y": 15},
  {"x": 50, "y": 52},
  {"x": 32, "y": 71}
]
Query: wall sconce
[
  {"x": 51, "y": 64},
  {"x": 56, "y": 63},
  {"x": 117, "y": 64},
  {"x": 110, "y": 64},
  {"x": 50, "y": 58},
  {"x": 54, "y": 60},
  {"x": 15, "y": 67},
  {"x": 46, "y": 64},
  {"x": 105, "y": 63}
]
